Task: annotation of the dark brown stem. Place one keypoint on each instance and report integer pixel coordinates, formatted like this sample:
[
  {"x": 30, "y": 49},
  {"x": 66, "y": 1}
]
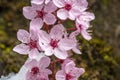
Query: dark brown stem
[
  {"x": 46, "y": 28},
  {"x": 71, "y": 29}
]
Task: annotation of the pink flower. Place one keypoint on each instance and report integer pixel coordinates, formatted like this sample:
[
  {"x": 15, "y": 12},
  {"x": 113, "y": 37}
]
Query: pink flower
[
  {"x": 39, "y": 2},
  {"x": 83, "y": 23},
  {"x": 37, "y": 69},
  {"x": 69, "y": 72},
  {"x": 40, "y": 13},
  {"x": 29, "y": 43},
  {"x": 70, "y": 8},
  {"x": 55, "y": 42}
]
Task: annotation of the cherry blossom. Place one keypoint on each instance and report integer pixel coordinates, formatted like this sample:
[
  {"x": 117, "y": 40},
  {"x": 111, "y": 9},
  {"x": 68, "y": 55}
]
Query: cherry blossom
[
  {"x": 29, "y": 43},
  {"x": 70, "y": 8},
  {"x": 39, "y": 2},
  {"x": 40, "y": 13},
  {"x": 55, "y": 43},
  {"x": 83, "y": 23},
  {"x": 69, "y": 72},
  {"x": 37, "y": 70}
]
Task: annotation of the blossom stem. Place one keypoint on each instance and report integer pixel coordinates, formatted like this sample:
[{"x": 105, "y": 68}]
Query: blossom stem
[
  {"x": 70, "y": 29},
  {"x": 46, "y": 28}
]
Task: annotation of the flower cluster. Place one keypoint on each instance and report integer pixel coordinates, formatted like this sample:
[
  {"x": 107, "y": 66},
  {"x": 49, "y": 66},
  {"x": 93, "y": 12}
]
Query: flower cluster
[{"x": 47, "y": 34}]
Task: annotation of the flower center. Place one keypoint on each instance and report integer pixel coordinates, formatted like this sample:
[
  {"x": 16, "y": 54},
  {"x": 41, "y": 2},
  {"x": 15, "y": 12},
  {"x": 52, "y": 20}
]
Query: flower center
[
  {"x": 80, "y": 26},
  {"x": 35, "y": 70},
  {"x": 68, "y": 77},
  {"x": 32, "y": 44},
  {"x": 40, "y": 14},
  {"x": 54, "y": 43},
  {"x": 68, "y": 7}
]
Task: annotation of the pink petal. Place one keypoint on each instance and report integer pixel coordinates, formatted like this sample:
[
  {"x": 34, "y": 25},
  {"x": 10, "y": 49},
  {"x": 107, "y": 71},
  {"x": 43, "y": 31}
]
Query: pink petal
[
  {"x": 81, "y": 5},
  {"x": 47, "y": 71},
  {"x": 38, "y": 2},
  {"x": 66, "y": 44},
  {"x": 49, "y": 19},
  {"x": 69, "y": 67},
  {"x": 44, "y": 62},
  {"x": 48, "y": 51},
  {"x": 21, "y": 49},
  {"x": 33, "y": 35},
  {"x": 36, "y": 24},
  {"x": 65, "y": 62},
  {"x": 77, "y": 72},
  {"x": 60, "y": 54},
  {"x": 71, "y": 16},
  {"x": 73, "y": 13},
  {"x": 33, "y": 53},
  {"x": 60, "y": 75},
  {"x": 84, "y": 24},
  {"x": 74, "y": 34},
  {"x": 76, "y": 50},
  {"x": 86, "y": 35},
  {"x": 23, "y": 36},
  {"x": 30, "y": 64},
  {"x": 62, "y": 14},
  {"x": 59, "y": 3},
  {"x": 50, "y": 7},
  {"x": 44, "y": 37},
  {"x": 29, "y": 12},
  {"x": 37, "y": 7},
  {"x": 85, "y": 17},
  {"x": 47, "y": 1},
  {"x": 57, "y": 32}
]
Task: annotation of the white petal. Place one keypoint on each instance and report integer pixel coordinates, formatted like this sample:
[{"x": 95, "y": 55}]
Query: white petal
[{"x": 62, "y": 14}]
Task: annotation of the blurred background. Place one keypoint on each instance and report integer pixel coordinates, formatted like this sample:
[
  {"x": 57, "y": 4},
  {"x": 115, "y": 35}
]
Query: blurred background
[{"x": 100, "y": 56}]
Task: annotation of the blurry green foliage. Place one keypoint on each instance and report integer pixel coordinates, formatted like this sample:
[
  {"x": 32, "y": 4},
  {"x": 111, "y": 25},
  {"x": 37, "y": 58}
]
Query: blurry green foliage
[{"x": 98, "y": 55}]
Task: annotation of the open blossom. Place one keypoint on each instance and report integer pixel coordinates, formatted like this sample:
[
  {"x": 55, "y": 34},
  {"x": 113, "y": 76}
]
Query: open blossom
[
  {"x": 55, "y": 42},
  {"x": 38, "y": 14},
  {"x": 69, "y": 72},
  {"x": 39, "y": 2},
  {"x": 83, "y": 23},
  {"x": 37, "y": 70},
  {"x": 70, "y": 8},
  {"x": 29, "y": 43}
]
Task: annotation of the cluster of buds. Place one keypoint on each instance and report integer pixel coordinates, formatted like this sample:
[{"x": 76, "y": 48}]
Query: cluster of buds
[{"x": 48, "y": 35}]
